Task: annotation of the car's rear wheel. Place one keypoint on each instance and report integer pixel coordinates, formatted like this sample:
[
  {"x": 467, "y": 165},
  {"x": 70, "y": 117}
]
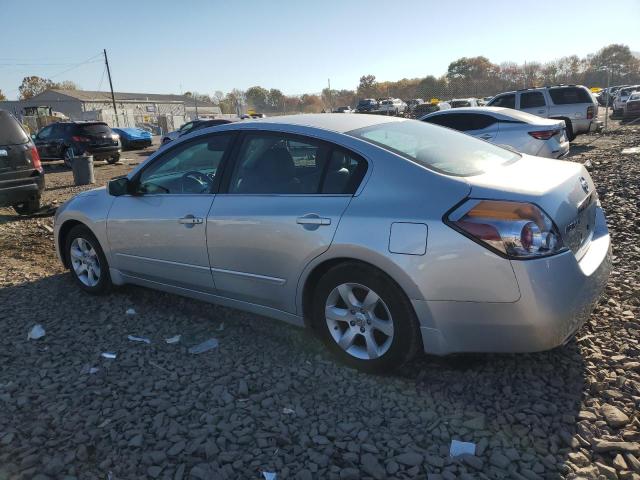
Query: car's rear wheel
[
  {"x": 571, "y": 136},
  {"x": 68, "y": 157},
  {"x": 365, "y": 318},
  {"x": 114, "y": 159},
  {"x": 27, "y": 208},
  {"x": 87, "y": 261}
]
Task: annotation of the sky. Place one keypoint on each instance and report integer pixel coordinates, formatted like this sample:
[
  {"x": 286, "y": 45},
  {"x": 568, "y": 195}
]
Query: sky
[{"x": 174, "y": 46}]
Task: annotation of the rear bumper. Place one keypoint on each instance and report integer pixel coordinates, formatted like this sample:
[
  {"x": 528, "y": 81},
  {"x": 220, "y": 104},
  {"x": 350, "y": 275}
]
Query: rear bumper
[
  {"x": 558, "y": 294},
  {"x": 136, "y": 143},
  {"x": 13, "y": 192},
  {"x": 100, "y": 153}
]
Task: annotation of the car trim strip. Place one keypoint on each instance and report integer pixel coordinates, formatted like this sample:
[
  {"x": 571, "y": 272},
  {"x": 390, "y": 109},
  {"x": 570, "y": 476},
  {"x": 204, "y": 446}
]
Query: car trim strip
[
  {"x": 254, "y": 276},
  {"x": 157, "y": 260}
]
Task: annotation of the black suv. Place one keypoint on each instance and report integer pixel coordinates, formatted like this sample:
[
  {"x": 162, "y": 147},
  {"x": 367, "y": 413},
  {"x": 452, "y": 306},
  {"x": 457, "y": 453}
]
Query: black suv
[
  {"x": 66, "y": 140},
  {"x": 21, "y": 174},
  {"x": 367, "y": 105}
]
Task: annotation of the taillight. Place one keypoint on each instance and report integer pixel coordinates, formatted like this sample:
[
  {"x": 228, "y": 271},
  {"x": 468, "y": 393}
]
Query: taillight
[
  {"x": 590, "y": 111},
  {"x": 512, "y": 229},
  {"x": 80, "y": 139},
  {"x": 35, "y": 159},
  {"x": 544, "y": 134}
]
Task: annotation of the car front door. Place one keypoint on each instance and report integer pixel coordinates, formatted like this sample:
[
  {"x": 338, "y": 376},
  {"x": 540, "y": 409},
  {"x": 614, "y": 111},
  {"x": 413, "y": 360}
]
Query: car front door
[
  {"x": 158, "y": 232},
  {"x": 533, "y": 103},
  {"x": 279, "y": 208}
]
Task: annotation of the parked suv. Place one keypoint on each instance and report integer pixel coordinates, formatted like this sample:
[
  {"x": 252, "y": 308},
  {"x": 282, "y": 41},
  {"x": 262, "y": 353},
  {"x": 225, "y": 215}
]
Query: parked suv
[
  {"x": 65, "y": 140},
  {"x": 393, "y": 106},
  {"x": 621, "y": 98},
  {"x": 367, "y": 105},
  {"x": 572, "y": 103},
  {"x": 21, "y": 174}
]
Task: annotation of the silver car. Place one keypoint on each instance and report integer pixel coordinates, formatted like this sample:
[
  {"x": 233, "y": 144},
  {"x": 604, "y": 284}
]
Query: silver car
[
  {"x": 386, "y": 236},
  {"x": 521, "y": 131}
]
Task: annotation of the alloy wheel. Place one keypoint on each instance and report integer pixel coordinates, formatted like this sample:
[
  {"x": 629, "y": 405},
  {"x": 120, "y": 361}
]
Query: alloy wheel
[
  {"x": 359, "y": 321},
  {"x": 85, "y": 261}
]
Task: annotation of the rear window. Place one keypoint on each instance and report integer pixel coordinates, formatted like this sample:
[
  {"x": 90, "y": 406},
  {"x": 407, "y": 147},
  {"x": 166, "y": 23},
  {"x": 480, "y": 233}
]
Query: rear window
[
  {"x": 95, "y": 129},
  {"x": 567, "y": 95},
  {"x": 436, "y": 148},
  {"x": 460, "y": 103},
  {"x": 11, "y": 132}
]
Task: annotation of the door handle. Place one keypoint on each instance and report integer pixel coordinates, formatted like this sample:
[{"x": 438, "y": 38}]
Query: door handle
[
  {"x": 313, "y": 219},
  {"x": 190, "y": 220}
]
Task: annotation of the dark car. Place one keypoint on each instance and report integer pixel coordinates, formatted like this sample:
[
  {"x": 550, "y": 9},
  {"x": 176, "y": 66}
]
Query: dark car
[
  {"x": 194, "y": 125},
  {"x": 367, "y": 105},
  {"x": 21, "y": 174},
  {"x": 65, "y": 140}
]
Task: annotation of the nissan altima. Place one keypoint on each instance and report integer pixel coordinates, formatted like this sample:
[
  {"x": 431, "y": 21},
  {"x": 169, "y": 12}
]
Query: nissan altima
[{"x": 386, "y": 236}]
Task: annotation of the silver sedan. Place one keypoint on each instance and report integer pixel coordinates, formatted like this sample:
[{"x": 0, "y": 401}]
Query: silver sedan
[
  {"x": 385, "y": 236},
  {"x": 521, "y": 131}
]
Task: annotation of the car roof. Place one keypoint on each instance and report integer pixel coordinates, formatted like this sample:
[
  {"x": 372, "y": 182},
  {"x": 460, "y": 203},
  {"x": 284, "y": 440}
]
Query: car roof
[
  {"x": 335, "y": 122},
  {"x": 505, "y": 113}
]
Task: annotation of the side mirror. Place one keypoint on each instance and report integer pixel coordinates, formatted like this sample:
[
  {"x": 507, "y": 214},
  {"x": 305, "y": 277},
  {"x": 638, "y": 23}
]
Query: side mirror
[
  {"x": 33, "y": 136},
  {"x": 119, "y": 186}
]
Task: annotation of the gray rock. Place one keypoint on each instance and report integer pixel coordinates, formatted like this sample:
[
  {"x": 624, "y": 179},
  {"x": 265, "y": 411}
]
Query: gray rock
[
  {"x": 304, "y": 475},
  {"x": 608, "y": 472},
  {"x": 602, "y": 446},
  {"x": 499, "y": 460},
  {"x": 477, "y": 423},
  {"x": 176, "y": 449},
  {"x": 136, "y": 441},
  {"x": 154, "y": 471},
  {"x": 410, "y": 459},
  {"x": 349, "y": 474},
  {"x": 614, "y": 416},
  {"x": 371, "y": 466}
]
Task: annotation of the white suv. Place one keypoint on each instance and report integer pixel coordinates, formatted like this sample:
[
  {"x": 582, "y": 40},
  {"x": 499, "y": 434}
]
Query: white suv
[
  {"x": 572, "y": 103},
  {"x": 393, "y": 105},
  {"x": 621, "y": 98}
]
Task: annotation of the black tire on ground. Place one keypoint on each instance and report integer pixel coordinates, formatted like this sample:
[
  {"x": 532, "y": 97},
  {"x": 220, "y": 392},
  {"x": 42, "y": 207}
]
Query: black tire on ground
[
  {"x": 27, "y": 208},
  {"x": 104, "y": 281},
  {"x": 571, "y": 136},
  {"x": 112, "y": 160},
  {"x": 406, "y": 339}
]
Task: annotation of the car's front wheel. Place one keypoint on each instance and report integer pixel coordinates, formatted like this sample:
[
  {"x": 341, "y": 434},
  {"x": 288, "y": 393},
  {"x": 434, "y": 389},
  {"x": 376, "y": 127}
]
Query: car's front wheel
[
  {"x": 114, "y": 159},
  {"x": 87, "y": 261},
  {"x": 365, "y": 318},
  {"x": 68, "y": 157},
  {"x": 27, "y": 208}
]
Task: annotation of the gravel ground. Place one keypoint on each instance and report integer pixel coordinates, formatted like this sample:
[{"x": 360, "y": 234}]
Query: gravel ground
[{"x": 270, "y": 399}]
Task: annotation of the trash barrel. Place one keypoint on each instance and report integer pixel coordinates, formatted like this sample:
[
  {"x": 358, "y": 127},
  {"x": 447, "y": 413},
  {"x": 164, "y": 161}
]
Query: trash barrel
[{"x": 83, "y": 170}]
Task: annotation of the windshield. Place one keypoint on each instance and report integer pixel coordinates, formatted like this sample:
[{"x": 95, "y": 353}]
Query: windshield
[{"x": 436, "y": 148}]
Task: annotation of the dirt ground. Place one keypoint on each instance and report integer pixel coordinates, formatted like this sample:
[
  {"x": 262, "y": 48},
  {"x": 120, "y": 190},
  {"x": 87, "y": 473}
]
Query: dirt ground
[{"x": 270, "y": 399}]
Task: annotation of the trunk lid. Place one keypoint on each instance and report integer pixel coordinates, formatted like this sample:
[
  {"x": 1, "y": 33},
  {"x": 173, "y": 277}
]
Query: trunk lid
[
  {"x": 564, "y": 190},
  {"x": 99, "y": 134}
]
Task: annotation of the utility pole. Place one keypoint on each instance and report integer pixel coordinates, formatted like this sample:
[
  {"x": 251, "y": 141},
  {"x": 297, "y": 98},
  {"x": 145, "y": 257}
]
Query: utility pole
[
  {"x": 195, "y": 100},
  {"x": 113, "y": 98},
  {"x": 330, "y": 99}
]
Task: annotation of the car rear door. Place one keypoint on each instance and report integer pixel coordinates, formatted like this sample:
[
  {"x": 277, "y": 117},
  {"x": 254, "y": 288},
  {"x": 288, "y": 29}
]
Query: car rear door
[
  {"x": 280, "y": 208},
  {"x": 158, "y": 233},
  {"x": 533, "y": 103},
  {"x": 43, "y": 142}
]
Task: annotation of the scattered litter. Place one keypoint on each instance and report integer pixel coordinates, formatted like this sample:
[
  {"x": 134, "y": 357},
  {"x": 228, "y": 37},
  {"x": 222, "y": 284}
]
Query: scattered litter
[
  {"x": 36, "y": 332},
  {"x": 587, "y": 164},
  {"x": 154, "y": 364},
  {"x": 109, "y": 355},
  {"x": 462, "y": 448},
  {"x": 130, "y": 311},
  {"x": 629, "y": 151},
  {"x": 88, "y": 369},
  {"x": 204, "y": 346},
  {"x": 174, "y": 339},
  {"x": 47, "y": 228},
  {"x": 221, "y": 327},
  {"x": 269, "y": 475},
  {"x": 288, "y": 411},
  {"x": 133, "y": 338}
]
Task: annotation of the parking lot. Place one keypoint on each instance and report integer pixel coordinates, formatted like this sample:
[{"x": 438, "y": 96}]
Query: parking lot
[{"x": 269, "y": 398}]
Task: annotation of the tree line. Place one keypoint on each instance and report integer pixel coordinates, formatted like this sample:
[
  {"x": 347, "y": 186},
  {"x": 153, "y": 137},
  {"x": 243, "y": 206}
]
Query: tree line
[{"x": 465, "y": 77}]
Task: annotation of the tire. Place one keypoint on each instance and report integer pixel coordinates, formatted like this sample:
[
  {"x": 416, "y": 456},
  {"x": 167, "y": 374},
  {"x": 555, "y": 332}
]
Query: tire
[
  {"x": 388, "y": 325},
  {"x": 67, "y": 156},
  {"x": 112, "y": 160},
  {"x": 571, "y": 136},
  {"x": 80, "y": 241},
  {"x": 27, "y": 208}
]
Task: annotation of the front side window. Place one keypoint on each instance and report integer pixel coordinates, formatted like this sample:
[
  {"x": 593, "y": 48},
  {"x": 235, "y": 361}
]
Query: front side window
[
  {"x": 45, "y": 133},
  {"x": 531, "y": 100},
  {"x": 506, "y": 101},
  {"x": 187, "y": 169},
  {"x": 436, "y": 148}
]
